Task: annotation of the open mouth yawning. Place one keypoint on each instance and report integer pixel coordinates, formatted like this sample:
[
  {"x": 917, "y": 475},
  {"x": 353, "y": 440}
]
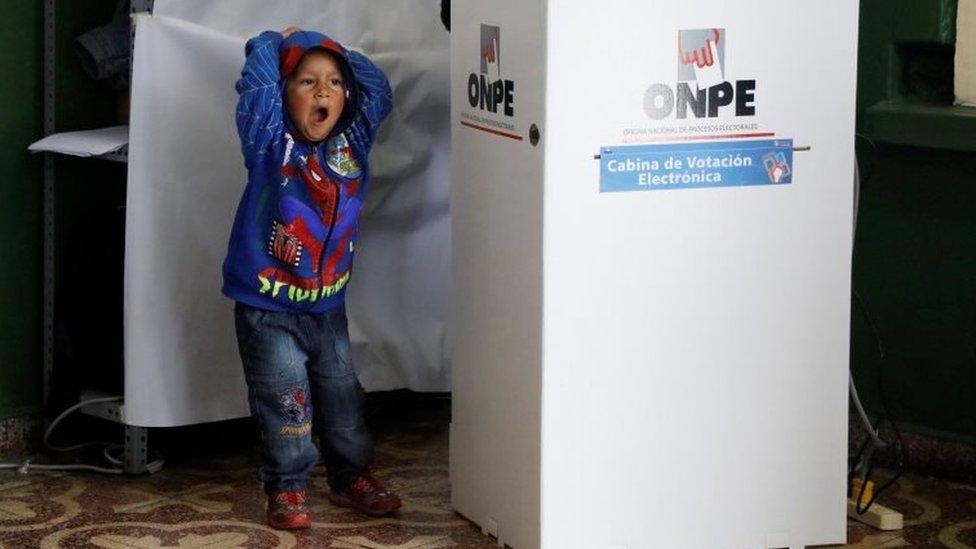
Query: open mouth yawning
[{"x": 319, "y": 115}]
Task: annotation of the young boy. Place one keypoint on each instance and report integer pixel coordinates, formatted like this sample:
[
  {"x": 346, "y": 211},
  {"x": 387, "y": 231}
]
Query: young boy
[{"x": 308, "y": 113}]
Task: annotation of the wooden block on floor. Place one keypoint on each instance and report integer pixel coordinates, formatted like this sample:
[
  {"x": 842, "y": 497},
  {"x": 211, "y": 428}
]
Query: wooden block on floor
[{"x": 878, "y": 516}]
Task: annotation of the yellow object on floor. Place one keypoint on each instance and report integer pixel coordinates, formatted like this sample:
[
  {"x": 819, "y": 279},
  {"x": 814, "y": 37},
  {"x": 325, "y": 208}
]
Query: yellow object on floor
[
  {"x": 861, "y": 499},
  {"x": 876, "y": 515}
]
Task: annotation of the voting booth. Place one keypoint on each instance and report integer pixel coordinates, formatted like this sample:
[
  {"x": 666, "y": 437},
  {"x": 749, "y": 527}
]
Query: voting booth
[{"x": 652, "y": 220}]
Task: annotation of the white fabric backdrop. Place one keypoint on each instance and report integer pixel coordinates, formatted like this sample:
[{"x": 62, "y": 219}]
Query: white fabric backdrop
[{"x": 186, "y": 176}]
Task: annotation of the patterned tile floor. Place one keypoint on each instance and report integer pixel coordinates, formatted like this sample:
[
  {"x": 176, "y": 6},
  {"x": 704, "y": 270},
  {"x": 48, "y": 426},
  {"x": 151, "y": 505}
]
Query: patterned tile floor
[{"x": 208, "y": 496}]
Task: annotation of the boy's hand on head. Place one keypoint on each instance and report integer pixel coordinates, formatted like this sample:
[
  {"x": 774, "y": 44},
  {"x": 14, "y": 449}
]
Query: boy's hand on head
[{"x": 290, "y": 31}]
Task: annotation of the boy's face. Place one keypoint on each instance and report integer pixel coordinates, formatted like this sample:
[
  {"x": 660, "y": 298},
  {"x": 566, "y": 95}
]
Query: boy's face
[{"x": 315, "y": 95}]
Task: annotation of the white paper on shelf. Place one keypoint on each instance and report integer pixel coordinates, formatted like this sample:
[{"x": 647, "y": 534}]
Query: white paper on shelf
[
  {"x": 186, "y": 176},
  {"x": 84, "y": 143}
]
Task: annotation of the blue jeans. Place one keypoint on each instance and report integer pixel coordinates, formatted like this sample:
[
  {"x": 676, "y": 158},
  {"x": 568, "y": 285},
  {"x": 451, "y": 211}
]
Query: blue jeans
[{"x": 299, "y": 378}]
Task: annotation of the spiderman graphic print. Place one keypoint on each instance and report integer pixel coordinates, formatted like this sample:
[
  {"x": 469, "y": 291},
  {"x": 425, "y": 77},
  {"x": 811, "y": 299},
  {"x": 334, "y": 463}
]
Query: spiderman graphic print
[{"x": 297, "y": 224}]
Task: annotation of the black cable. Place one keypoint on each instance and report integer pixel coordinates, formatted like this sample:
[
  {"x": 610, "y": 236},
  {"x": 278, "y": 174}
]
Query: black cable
[
  {"x": 882, "y": 355},
  {"x": 901, "y": 452},
  {"x": 856, "y": 460},
  {"x": 885, "y": 408},
  {"x": 885, "y": 416},
  {"x": 874, "y": 148}
]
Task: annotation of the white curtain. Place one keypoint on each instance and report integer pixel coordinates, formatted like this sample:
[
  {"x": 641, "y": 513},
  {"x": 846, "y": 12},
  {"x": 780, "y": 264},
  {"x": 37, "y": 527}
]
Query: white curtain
[{"x": 186, "y": 176}]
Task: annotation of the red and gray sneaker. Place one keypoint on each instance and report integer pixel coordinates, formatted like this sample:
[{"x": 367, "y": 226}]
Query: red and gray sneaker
[
  {"x": 288, "y": 510},
  {"x": 368, "y": 496}
]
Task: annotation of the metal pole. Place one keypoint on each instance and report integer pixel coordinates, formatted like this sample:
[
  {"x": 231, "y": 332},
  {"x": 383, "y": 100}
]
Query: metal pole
[
  {"x": 136, "y": 448},
  {"x": 49, "y": 210}
]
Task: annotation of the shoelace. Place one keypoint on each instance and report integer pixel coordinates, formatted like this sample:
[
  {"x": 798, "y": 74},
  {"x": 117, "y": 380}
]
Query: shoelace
[
  {"x": 367, "y": 483},
  {"x": 290, "y": 499}
]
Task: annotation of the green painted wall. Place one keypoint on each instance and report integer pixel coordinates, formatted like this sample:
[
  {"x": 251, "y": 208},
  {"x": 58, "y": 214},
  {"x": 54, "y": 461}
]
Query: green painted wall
[
  {"x": 915, "y": 258},
  {"x": 21, "y": 191},
  {"x": 89, "y": 210}
]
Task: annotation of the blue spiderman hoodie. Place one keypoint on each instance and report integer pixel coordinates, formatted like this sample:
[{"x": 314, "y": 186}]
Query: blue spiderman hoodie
[{"x": 297, "y": 224}]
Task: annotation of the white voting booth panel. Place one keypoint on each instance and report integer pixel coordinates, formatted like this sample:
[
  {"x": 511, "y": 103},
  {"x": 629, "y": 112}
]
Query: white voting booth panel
[{"x": 651, "y": 345}]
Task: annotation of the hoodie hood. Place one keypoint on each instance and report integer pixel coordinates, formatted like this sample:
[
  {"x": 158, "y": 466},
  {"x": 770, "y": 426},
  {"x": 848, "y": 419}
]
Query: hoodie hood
[{"x": 295, "y": 47}]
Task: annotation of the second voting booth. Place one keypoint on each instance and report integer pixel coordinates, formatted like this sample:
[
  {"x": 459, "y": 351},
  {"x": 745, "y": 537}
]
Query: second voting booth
[{"x": 652, "y": 221}]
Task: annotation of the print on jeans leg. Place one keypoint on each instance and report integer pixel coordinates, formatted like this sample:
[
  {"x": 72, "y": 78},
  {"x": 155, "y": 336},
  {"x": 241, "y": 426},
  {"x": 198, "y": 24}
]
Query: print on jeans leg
[{"x": 298, "y": 413}]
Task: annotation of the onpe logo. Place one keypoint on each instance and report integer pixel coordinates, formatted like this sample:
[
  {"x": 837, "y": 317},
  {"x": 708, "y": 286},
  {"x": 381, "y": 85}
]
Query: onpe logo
[
  {"x": 702, "y": 61},
  {"x": 490, "y": 54},
  {"x": 701, "y": 56},
  {"x": 488, "y": 90}
]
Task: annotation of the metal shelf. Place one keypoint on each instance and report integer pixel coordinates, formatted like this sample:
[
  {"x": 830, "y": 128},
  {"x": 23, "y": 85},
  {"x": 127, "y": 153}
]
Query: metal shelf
[{"x": 135, "y": 443}]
